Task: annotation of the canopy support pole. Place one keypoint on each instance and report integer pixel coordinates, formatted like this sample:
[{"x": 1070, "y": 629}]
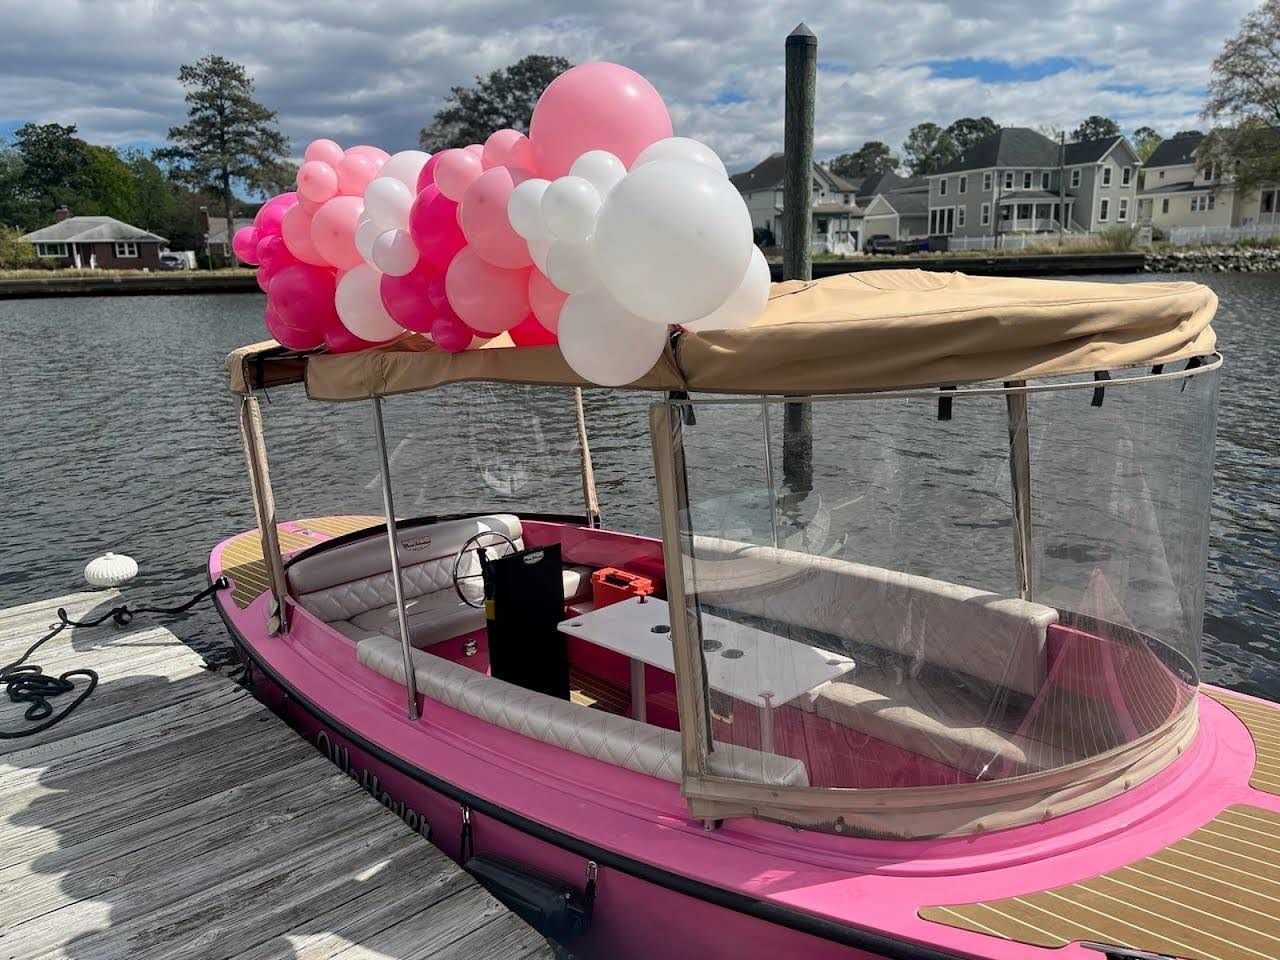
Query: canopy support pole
[
  {"x": 393, "y": 544},
  {"x": 589, "y": 498},
  {"x": 1020, "y": 483},
  {"x": 264, "y": 508},
  {"x": 768, "y": 472}
]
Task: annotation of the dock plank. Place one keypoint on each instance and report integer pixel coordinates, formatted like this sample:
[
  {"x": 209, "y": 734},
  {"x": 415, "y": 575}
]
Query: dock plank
[{"x": 173, "y": 815}]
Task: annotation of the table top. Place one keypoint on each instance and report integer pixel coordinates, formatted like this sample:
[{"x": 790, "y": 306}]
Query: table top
[{"x": 748, "y": 663}]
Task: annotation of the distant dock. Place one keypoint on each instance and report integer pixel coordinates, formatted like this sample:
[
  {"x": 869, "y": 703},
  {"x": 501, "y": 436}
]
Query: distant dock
[
  {"x": 172, "y": 815},
  {"x": 127, "y": 284}
]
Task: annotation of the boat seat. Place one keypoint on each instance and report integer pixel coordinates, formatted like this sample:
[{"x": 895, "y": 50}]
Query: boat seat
[{"x": 618, "y": 740}]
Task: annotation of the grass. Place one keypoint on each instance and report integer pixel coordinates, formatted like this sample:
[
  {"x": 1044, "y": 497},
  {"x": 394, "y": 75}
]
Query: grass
[{"x": 72, "y": 272}]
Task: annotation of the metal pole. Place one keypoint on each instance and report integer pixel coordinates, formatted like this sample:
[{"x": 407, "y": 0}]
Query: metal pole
[
  {"x": 1020, "y": 483},
  {"x": 768, "y": 472},
  {"x": 393, "y": 544},
  {"x": 1062, "y": 189}
]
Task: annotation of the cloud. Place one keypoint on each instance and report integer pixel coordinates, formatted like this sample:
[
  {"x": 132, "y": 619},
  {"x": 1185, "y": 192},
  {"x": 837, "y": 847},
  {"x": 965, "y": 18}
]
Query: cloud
[{"x": 377, "y": 70}]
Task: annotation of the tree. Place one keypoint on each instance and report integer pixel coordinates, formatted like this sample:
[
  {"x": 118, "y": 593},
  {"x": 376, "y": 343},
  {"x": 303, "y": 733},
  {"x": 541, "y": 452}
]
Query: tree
[
  {"x": 1145, "y": 141},
  {"x": 13, "y": 252},
  {"x": 870, "y": 159},
  {"x": 927, "y": 148},
  {"x": 1187, "y": 133},
  {"x": 53, "y": 160},
  {"x": 228, "y": 137},
  {"x": 505, "y": 98},
  {"x": 967, "y": 131},
  {"x": 105, "y": 186},
  {"x": 1095, "y": 128},
  {"x": 1244, "y": 98}
]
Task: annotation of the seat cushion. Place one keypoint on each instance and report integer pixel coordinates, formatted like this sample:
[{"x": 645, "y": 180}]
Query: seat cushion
[
  {"x": 431, "y": 619},
  {"x": 577, "y": 582}
]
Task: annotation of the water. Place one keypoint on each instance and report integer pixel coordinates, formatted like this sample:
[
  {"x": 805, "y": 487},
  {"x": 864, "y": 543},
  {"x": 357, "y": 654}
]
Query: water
[{"x": 118, "y": 433}]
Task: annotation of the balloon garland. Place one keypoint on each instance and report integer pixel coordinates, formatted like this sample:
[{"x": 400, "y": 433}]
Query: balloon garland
[{"x": 596, "y": 231}]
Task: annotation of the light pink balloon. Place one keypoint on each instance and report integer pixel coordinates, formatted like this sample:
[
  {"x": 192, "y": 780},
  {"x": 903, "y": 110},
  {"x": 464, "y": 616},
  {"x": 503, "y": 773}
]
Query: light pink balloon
[
  {"x": 310, "y": 206},
  {"x": 483, "y": 218},
  {"x": 333, "y": 231},
  {"x": 297, "y": 236},
  {"x": 433, "y": 225},
  {"x": 545, "y": 299},
  {"x": 595, "y": 106},
  {"x": 508, "y": 148},
  {"x": 245, "y": 245},
  {"x": 377, "y": 154},
  {"x": 406, "y": 298},
  {"x": 324, "y": 151},
  {"x": 486, "y": 298},
  {"x": 477, "y": 149},
  {"x": 455, "y": 171},
  {"x": 270, "y": 215},
  {"x": 355, "y": 170},
  {"x": 317, "y": 181},
  {"x": 427, "y": 175}
]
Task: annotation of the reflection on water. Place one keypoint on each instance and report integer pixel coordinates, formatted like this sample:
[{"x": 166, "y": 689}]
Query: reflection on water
[{"x": 118, "y": 433}]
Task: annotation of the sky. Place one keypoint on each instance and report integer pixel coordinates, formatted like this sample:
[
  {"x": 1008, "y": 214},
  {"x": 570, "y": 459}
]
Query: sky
[{"x": 375, "y": 71}]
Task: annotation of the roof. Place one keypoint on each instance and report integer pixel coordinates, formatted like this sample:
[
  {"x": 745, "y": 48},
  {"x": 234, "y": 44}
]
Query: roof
[
  {"x": 768, "y": 173},
  {"x": 1175, "y": 151},
  {"x": 908, "y": 201},
  {"x": 849, "y": 208},
  {"x": 1187, "y": 186},
  {"x": 872, "y": 330},
  {"x": 91, "y": 230},
  {"x": 883, "y": 182},
  {"x": 1026, "y": 196},
  {"x": 1007, "y": 147},
  {"x": 1087, "y": 151},
  {"x": 218, "y": 228}
]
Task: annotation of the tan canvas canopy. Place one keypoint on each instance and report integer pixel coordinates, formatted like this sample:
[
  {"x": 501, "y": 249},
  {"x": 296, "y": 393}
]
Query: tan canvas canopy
[{"x": 875, "y": 330}]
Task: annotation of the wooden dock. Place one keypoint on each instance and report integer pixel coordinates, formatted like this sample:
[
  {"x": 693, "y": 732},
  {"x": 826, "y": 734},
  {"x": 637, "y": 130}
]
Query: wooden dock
[{"x": 172, "y": 815}]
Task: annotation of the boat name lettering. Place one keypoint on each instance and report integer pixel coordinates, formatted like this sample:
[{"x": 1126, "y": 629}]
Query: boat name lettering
[
  {"x": 340, "y": 756},
  {"x": 416, "y": 543}
]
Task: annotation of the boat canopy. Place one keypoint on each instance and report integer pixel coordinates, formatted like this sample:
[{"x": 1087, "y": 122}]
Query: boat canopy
[{"x": 856, "y": 332}]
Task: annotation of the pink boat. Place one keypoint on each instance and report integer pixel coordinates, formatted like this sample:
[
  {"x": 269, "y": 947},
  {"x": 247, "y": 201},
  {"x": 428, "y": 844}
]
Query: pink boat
[{"x": 911, "y": 672}]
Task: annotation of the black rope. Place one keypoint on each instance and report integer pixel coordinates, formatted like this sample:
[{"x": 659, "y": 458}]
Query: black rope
[{"x": 28, "y": 683}]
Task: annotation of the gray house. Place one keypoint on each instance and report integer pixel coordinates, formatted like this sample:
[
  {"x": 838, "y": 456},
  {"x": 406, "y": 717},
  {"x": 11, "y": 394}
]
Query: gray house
[
  {"x": 900, "y": 212},
  {"x": 1018, "y": 181}
]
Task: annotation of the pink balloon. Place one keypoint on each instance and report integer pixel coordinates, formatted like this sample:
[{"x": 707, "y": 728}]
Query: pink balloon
[
  {"x": 297, "y": 236},
  {"x": 595, "y": 106},
  {"x": 356, "y": 168},
  {"x": 245, "y": 245},
  {"x": 310, "y": 206},
  {"x": 529, "y": 332},
  {"x": 477, "y": 149},
  {"x": 457, "y": 170},
  {"x": 317, "y": 181},
  {"x": 508, "y": 148},
  {"x": 546, "y": 300},
  {"x": 407, "y": 300},
  {"x": 433, "y": 225},
  {"x": 427, "y": 175},
  {"x": 273, "y": 256},
  {"x": 290, "y": 336},
  {"x": 486, "y": 298},
  {"x": 341, "y": 340},
  {"x": 450, "y": 333},
  {"x": 438, "y": 295},
  {"x": 333, "y": 231},
  {"x": 324, "y": 151},
  {"x": 483, "y": 217},
  {"x": 301, "y": 298},
  {"x": 270, "y": 217},
  {"x": 377, "y": 154}
]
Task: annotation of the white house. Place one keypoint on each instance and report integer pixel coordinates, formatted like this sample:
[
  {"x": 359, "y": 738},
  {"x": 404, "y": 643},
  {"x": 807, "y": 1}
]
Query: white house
[{"x": 835, "y": 212}]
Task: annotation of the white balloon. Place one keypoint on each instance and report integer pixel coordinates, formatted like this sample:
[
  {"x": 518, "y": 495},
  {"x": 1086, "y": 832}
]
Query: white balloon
[
  {"x": 681, "y": 148},
  {"x": 538, "y": 251},
  {"x": 405, "y": 167},
  {"x": 359, "y": 305},
  {"x": 387, "y": 202},
  {"x": 524, "y": 208},
  {"x": 744, "y": 304},
  {"x": 606, "y": 344},
  {"x": 569, "y": 207},
  {"x": 366, "y": 233},
  {"x": 672, "y": 241},
  {"x": 394, "y": 253},
  {"x": 601, "y": 168},
  {"x": 569, "y": 267}
]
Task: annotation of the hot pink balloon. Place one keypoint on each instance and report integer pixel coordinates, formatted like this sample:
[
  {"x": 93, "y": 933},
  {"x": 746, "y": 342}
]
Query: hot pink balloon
[
  {"x": 273, "y": 256},
  {"x": 546, "y": 300},
  {"x": 356, "y": 168},
  {"x": 407, "y": 300},
  {"x": 457, "y": 170},
  {"x": 529, "y": 332},
  {"x": 427, "y": 175},
  {"x": 508, "y": 148},
  {"x": 245, "y": 245},
  {"x": 333, "y": 231},
  {"x": 438, "y": 295},
  {"x": 301, "y": 298},
  {"x": 325, "y": 151},
  {"x": 297, "y": 236},
  {"x": 341, "y": 340},
  {"x": 270, "y": 216},
  {"x": 317, "y": 181},
  {"x": 450, "y": 333},
  {"x": 433, "y": 225},
  {"x": 486, "y": 298},
  {"x": 288, "y": 335},
  {"x": 595, "y": 106},
  {"x": 483, "y": 217}
]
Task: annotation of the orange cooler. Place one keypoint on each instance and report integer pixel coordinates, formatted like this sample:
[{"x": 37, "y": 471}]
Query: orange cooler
[{"x": 610, "y": 585}]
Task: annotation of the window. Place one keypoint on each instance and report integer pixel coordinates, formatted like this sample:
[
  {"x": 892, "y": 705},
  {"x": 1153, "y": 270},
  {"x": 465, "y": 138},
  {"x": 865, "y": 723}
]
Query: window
[
  {"x": 1026, "y": 180},
  {"x": 1106, "y": 176},
  {"x": 986, "y": 214},
  {"x": 51, "y": 249},
  {"x": 941, "y": 220},
  {"x": 1161, "y": 177},
  {"x": 1045, "y": 180},
  {"x": 1075, "y": 178},
  {"x": 942, "y": 187},
  {"x": 986, "y": 181},
  {"x": 1126, "y": 174},
  {"x": 1269, "y": 201},
  {"x": 1008, "y": 179},
  {"x": 1122, "y": 211},
  {"x": 964, "y": 184},
  {"x": 959, "y": 216},
  {"x": 1164, "y": 205},
  {"x": 1104, "y": 209},
  {"x": 1208, "y": 173},
  {"x": 126, "y": 250},
  {"x": 1202, "y": 203}
]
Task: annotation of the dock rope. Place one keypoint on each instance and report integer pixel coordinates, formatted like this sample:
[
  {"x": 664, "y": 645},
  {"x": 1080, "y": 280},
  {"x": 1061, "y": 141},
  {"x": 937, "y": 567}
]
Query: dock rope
[{"x": 28, "y": 683}]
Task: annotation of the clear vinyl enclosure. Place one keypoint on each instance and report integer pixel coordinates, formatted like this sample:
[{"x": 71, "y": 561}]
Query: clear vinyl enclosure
[{"x": 958, "y": 609}]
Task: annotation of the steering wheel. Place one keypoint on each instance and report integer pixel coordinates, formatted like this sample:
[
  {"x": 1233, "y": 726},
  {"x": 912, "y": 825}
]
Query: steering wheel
[{"x": 459, "y": 578}]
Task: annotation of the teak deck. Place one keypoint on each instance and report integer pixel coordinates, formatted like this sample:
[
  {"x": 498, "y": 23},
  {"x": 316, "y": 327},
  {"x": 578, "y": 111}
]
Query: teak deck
[{"x": 172, "y": 815}]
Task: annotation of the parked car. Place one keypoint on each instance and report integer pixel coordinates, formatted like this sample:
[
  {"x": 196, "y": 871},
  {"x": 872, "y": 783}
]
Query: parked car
[
  {"x": 880, "y": 243},
  {"x": 173, "y": 261}
]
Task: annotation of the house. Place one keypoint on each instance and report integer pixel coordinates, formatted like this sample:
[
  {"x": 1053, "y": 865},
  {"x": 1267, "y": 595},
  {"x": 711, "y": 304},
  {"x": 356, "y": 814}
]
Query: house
[
  {"x": 901, "y": 212},
  {"x": 1019, "y": 181},
  {"x": 216, "y": 242},
  {"x": 96, "y": 243},
  {"x": 835, "y": 214},
  {"x": 868, "y": 187},
  {"x": 1177, "y": 192}
]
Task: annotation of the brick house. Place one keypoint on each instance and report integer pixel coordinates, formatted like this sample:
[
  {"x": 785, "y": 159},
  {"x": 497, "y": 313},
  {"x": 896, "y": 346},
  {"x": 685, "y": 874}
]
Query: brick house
[{"x": 102, "y": 243}]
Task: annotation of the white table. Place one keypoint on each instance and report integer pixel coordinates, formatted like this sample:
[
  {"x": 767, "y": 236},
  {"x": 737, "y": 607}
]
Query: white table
[{"x": 751, "y": 664}]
